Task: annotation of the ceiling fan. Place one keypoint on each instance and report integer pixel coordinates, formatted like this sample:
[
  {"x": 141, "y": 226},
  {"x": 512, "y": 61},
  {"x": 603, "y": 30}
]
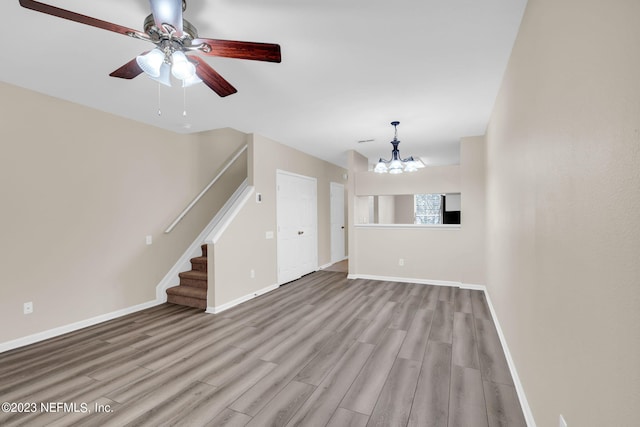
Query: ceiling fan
[{"x": 173, "y": 36}]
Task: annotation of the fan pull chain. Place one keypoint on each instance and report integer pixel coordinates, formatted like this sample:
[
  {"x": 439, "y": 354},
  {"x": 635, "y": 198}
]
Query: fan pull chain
[
  {"x": 184, "y": 101},
  {"x": 159, "y": 109}
]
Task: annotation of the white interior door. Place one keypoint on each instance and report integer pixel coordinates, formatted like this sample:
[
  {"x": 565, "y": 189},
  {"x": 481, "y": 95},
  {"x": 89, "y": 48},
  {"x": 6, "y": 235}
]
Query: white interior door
[
  {"x": 337, "y": 222},
  {"x": 296, "y": 205}
]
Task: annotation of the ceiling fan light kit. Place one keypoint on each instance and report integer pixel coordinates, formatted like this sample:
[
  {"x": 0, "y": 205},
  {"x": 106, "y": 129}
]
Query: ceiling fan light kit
[
  {"x": 173, "y": 36},
  {"x": 396, "y": 164}
]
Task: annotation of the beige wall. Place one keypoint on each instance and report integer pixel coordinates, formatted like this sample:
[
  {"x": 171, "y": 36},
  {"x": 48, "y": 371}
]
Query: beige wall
[
  {"x": 433, "y": 179},
  {"x": 386, "y": 209},
  {"x": 243, "y": 246},
  {"x": 357, "y": 207},
  {"x": 563, "y": 192},
  {"x": 404, "y": 209},
  {"x": 473, "y": 210},
  {"x": 80, "y": 190},
  {"x": 436, "y": 254}
]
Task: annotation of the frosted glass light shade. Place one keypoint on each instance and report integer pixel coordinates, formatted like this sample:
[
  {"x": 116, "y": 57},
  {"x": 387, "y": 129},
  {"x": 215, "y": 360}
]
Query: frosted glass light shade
[
  {"x": 151, "y": 62},
  {"x": 192, "y": 81},
  {"x": 395, "y": 166},
  {"x": 164, "y": 76},
  {"x": 381, "y": 167},
  {"x": 182, "y": 69},
  {"x": 410, "y": 166}
]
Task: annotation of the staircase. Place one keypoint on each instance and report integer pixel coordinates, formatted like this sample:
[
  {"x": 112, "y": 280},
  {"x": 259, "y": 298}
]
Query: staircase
[{"x": 192, "y": 290}]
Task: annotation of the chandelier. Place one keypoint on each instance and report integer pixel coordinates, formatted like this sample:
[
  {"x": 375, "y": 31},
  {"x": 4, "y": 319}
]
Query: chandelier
[{"x": 396, "y": 164}]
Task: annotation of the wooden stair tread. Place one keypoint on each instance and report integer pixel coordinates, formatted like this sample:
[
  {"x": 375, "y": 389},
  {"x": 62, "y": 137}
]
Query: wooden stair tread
[
  {"x": 194, "y": 274},
  {"x": 188, "y": 291}
]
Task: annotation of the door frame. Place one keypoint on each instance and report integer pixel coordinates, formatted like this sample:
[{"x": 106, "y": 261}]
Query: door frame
[{"x": 334, "y": 257}]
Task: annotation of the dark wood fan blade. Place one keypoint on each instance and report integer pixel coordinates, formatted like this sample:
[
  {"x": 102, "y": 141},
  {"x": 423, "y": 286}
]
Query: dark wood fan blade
[
  {"x": 167, "y": 12},
  {"x": 242, "y": 50},
  {"x": 83, "y": 19},
  {"x": 211, "y": 78},
  {"x": 129, "y": 70}
]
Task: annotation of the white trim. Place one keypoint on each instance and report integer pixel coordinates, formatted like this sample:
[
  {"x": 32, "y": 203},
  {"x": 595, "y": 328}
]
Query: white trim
[
  {"x": 230, "y": 304},
  {"x": 230, "y": 214},
  {"x": 183, "y": 263},
  {"x": 51, "y": 333},
  {"x": 428, "y": 226},
  {"x": 337, "y": 186},
  {"x": 405, "y": 280},
  {"x": 526, "y": 409},
  {"x": 322, "y": 267},
  {"x": 473, "y": 287},
  {"x": 285, "y": 172}
]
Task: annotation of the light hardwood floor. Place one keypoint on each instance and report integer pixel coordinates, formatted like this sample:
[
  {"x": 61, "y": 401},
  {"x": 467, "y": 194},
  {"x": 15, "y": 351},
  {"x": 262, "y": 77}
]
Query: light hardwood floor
[{"x": 320, "y": 351}]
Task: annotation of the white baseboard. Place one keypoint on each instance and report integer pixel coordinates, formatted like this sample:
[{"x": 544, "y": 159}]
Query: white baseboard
[
  {"x": 405, "y": 280},
  {"x": 473, "y": 287},
  {"x": 51, "y": 333},
  {"x": 220, "y": 308},
  {"x": 329, "y": 264},
  {"x": 526, "y": 409}
]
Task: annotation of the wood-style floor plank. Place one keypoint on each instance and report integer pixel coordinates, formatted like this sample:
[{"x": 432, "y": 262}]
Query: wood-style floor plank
[
  {"x": 320, "y": 351},
  {"x": 346, "y": 418},
  {"x": 464, "y": 341},
  {"x": 316, "y": 370},
  {"x": 431, "y": 400},
  {"x": 394, "y": 403},
  {"x": 320, "y": 406},
  {"x": 493, "y": 363},
  {"x": 442, "y": 324},
  {"x": 479, "y": 305},
  {"x": 503, "y": 407},
  {"x": 229, "y": 418},
  {"x": 415, "y": 343},
  {"x": 467, "y": 406},
  {"x": 462, "y": 301},
  {"x": 282, "y": 407},
  {"x": 254, "y": 399},
  {"x": 364, "y": 392}
]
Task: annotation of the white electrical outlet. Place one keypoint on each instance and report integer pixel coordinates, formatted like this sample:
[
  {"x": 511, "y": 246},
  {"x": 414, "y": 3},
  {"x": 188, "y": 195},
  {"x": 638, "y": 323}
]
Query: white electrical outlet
[
  {"x": 268, "y": 235},
  {"x": 28, "y": 307},
  {"x": 401, "y": 262},
  {"x": 562, "y": 422},
  {"x": 149, "y": 240}
]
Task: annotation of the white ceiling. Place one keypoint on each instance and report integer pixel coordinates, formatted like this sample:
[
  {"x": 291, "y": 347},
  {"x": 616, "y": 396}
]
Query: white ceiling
[{"x": 348, "y": 69}]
